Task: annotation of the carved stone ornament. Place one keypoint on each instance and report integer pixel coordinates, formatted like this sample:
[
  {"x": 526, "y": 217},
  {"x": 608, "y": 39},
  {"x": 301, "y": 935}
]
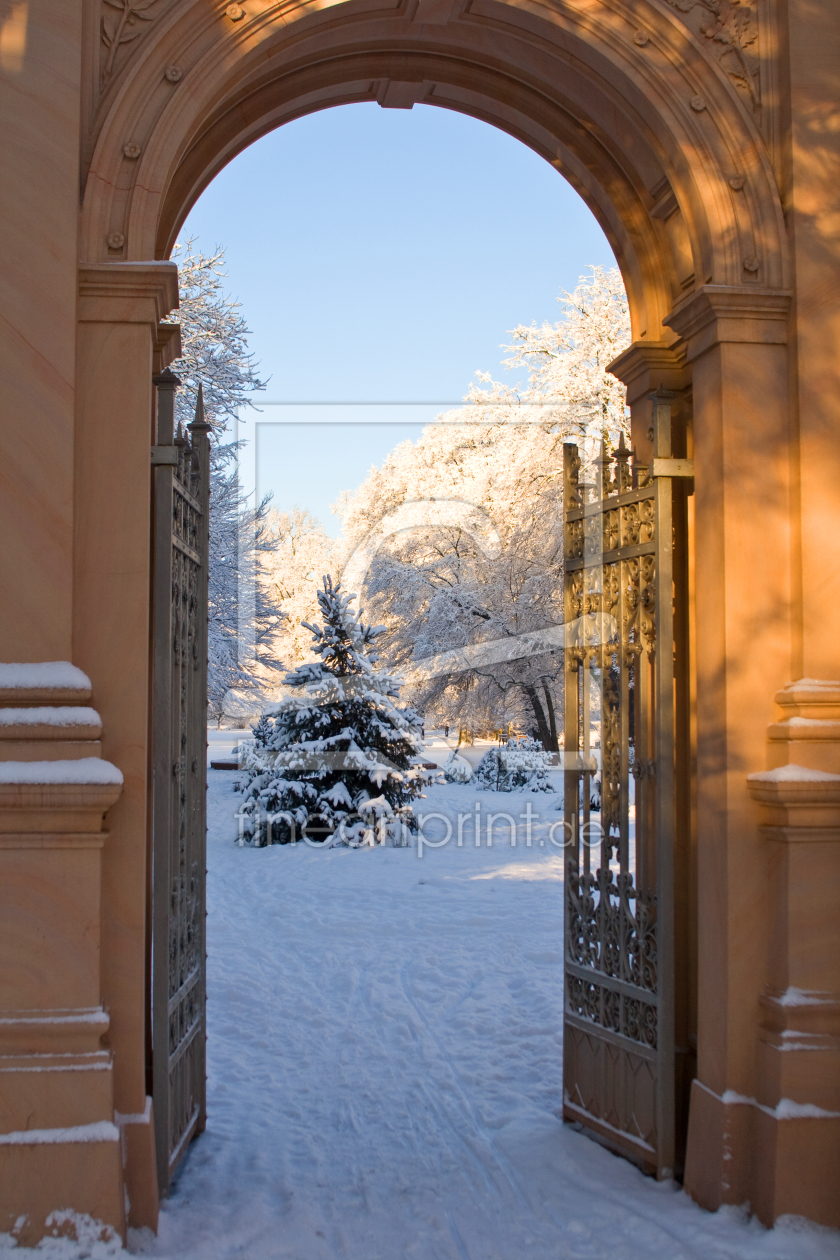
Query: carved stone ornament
[
  {"x": 751, "y": 263},
  {"x": 736, "y": 182},
  {"x": 116, "y": 240},
  {"x": 122, "y": 21},
  {"x": 235, "y": 12},
  {"x": 173, "y": 73},
  {"x": 641, "y": 38},
  {"x": 729, "y": 28},
  {"x": 697, "y": 103},
  {"x": 132, "y": 151}
]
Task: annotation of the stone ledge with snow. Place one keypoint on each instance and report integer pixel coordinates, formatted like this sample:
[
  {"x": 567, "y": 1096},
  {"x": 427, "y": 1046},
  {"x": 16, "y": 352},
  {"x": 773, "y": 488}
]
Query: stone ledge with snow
[
  {"x": 53, "y": 715},
  {"x": 42, "y": 676},
  {"x": 87, "y": 771}
]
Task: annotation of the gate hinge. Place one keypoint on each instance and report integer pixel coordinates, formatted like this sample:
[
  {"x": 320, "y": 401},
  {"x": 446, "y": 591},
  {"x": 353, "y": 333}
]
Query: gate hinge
[
  {"x": 165, "y": 455},
  {"x": 672, "y": 467}
]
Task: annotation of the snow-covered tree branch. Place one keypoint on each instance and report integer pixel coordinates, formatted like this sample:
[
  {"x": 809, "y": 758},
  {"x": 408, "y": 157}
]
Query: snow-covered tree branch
[
  {"x": 215, "y": 356},
  {"x": 437, "y": 586}
]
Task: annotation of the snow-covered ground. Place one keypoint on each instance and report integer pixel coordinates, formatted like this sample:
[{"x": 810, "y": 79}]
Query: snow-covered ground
[{"x": 385, "y": 1067}]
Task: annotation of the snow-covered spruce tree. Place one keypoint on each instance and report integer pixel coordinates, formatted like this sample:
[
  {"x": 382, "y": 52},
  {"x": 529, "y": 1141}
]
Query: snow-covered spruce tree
[
  {"x": 215, "y": 357},
  {"x": 332, "y": 763}
]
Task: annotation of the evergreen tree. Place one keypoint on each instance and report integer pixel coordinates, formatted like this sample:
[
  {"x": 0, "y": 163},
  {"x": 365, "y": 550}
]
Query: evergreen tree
[{"x": 332, "y": 763}]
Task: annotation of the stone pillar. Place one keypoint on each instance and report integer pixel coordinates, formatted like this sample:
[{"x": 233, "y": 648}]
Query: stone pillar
[
  {"x": 40, "y": 92},
  {"x": 810, "y": 31},
  {"x": 120, "y": 345},
  {"x": 734, "y": 342},
  {"x": 796, "y": 1110}
]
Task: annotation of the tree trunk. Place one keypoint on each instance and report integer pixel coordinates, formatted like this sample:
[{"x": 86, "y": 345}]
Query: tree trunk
[
  {"x": 539, "y": 714},
  {"x": 553, "y": 745}
]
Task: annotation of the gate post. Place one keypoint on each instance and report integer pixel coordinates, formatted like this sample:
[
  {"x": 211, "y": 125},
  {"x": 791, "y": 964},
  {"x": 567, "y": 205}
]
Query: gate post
[
  {"x": 734, "y": 340},
  {"x": 121, "y": 306}
]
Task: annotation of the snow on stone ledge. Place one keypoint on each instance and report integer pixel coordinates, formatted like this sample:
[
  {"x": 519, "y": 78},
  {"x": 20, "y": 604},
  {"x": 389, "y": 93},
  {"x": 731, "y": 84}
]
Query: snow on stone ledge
[
  {"x": 50, "y": 715},
  {"x": 85, "y": 770},
  {"x": 804, "y": 997},
  {"x": 785, "y": 1109},
  {"x": 99, "y": 1131},
  {"x": 803, "y": 721},
  {"x": 793, "y": 774},
  {"x": 49, "y": 675}
]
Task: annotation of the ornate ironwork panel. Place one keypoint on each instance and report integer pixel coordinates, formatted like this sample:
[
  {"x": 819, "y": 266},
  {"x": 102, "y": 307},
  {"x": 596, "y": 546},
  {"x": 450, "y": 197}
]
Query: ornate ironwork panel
[
  {"x": 619, "y": 798},
  {"x": 179, "y": 777}
]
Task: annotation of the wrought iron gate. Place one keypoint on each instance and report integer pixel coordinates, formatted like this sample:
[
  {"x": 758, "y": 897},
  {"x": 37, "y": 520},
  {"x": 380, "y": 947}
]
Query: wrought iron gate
[
  {"x": 619, "y": 1026},
  {"x": 180, "y": 475}
]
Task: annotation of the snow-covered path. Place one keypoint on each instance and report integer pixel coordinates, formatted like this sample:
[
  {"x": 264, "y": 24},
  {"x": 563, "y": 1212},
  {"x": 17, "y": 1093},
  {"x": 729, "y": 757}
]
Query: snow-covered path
[{"x": 385, "y": 1070}]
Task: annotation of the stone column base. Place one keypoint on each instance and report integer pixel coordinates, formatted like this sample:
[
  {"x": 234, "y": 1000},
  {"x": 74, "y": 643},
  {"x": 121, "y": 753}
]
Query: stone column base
[
  {"x": 140, "y": 1165},
  {"x": 85, "y": 1162},
  {"x": 777, "y": 1160}
]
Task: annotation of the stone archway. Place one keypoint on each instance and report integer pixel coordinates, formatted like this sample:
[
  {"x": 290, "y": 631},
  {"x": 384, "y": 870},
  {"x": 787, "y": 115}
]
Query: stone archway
[{"x": 669, "y": 124}]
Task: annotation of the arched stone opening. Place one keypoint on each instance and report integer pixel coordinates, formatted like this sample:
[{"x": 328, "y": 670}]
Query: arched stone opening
[
  {"x": 622, "y": 101},
  {"x": 683, "y": 161},
  {"x": 644, "y": 125}
]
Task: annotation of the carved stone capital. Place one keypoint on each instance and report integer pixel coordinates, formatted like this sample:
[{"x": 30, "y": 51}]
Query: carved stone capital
[
  {"x": 722, "y": 313},
  {"x": 648, "y": 365},
  {"x": 128, "y": 292}
]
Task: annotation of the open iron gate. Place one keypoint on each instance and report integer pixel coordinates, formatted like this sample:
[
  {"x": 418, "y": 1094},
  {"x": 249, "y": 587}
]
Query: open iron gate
[
  {"x": 180, "y": 486},
  {"x": 620, "y": 720}
]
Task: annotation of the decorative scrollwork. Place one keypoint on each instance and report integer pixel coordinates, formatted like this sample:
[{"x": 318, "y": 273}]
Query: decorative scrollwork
[
  {"x": 574, "y": 591},
  {"x": 606, "y": 1007},
  {"x": 611, "y": 926},
  {"x": 647, "y": 603},
  {"x": 630, "y": 525},
  {"x": 574, "y": 540},
  {"x": 610, "y": 756},
  {"x": 612, "y": 529}
]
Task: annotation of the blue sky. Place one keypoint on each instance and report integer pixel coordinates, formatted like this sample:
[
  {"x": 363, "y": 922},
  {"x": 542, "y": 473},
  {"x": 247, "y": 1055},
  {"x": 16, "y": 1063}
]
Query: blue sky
[{"x": 380, "y": 256}]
